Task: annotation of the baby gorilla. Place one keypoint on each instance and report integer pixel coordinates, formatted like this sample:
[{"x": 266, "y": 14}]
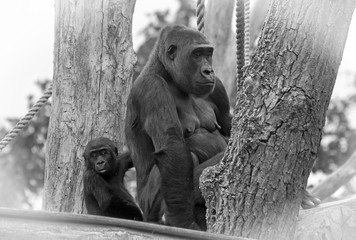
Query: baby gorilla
[{"x": 104, "y": 191}]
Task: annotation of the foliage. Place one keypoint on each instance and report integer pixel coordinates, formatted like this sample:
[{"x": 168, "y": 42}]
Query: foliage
[{"x": 339, "y": 138}]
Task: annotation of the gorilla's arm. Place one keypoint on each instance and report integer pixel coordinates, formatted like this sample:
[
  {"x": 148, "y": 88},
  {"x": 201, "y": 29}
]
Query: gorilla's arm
[
  {"x": 171, "y": 155},
  {"x": 125, "y": 161}
]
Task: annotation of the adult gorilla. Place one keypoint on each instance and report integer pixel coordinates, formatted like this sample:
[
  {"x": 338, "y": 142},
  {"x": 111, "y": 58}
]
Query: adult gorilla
[
  {"x": 177, "y": 115},
  {"x": 177, "y": 119}
]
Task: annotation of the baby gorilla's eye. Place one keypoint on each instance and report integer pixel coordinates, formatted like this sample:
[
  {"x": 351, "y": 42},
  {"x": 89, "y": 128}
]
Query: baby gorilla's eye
[{"x": 104, "y": 152}]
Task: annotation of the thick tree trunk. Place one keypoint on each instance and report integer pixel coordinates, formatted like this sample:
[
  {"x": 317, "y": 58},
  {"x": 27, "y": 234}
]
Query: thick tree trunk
[
  {"x": 93, "y": 67},
  {"x": 256, "y": 190}
]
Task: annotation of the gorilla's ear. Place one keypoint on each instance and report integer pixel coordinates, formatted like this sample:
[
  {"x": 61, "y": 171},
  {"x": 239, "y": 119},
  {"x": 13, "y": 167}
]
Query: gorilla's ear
[{"x": 171, "y": 51}]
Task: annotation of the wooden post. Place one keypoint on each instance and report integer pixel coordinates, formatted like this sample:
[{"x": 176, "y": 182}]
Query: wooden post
[{"x": 93, "y": 67}]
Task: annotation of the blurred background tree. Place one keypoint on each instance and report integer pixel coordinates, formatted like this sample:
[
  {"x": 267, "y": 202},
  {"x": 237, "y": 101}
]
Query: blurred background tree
[
  {"x": 22, "y": 162},
  {"x": 339, "y": 138}
]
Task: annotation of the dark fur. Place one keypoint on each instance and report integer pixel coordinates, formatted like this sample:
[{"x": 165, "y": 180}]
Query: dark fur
[
  {"x": 104, "y": 191},
  {"x": 177, "y": 109}
]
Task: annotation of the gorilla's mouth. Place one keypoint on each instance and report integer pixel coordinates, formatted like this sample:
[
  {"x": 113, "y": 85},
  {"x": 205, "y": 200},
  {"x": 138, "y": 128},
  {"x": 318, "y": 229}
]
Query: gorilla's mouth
[
  {"x": 206, "y": 83},
  {"x": 102, "y": 170}
]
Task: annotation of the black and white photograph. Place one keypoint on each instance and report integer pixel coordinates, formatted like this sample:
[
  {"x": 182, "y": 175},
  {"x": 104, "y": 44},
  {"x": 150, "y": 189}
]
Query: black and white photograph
[{"x": 178, "y": 119}]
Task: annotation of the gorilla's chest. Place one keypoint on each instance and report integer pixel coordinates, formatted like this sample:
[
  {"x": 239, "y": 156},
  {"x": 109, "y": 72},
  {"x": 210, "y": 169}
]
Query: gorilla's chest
[{"x": 195, "y": 113}]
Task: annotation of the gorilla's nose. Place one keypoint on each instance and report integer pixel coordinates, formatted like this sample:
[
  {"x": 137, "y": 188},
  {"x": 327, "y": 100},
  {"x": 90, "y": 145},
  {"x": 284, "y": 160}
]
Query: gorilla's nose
[
  {"x": 207, "y": 72},
  {"x": 100, "y": 163}
]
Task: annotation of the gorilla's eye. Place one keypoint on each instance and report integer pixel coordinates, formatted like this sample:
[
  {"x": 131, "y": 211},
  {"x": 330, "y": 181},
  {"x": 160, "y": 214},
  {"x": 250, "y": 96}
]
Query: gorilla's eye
[
  {"x": 197, "y": 54},
  {"x": 172, "y": 49},
  {"x": 104, "y": 152}
]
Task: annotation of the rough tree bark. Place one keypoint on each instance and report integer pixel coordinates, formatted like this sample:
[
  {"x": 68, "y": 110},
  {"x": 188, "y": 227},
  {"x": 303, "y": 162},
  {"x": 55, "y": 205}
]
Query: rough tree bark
[
  {"x": 256, "y": 189},
  {"x": 93, "y": 67}
]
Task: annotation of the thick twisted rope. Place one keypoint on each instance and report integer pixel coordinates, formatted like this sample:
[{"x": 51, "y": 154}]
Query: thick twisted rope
[
  {"x": 26, "y": 119},
  {"x": 247, "y": 32},
  {"x": 240, "y": 38},
  {"x": 200, "y": 15}
]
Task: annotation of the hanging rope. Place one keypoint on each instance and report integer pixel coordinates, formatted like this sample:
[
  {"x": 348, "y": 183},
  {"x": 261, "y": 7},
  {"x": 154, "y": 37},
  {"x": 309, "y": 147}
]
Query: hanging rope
[
  {"x": 242, "y": 31},
  {"x": 247, "y": 32},
  {"x": 200, "y": 15},
  {"x": 242, "y": 38},
  {"x": 26, "y": 119}
]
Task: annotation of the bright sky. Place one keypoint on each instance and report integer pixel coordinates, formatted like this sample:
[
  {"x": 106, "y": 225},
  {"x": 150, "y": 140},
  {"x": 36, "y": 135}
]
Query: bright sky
[{"x": 26, "y": 47}]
